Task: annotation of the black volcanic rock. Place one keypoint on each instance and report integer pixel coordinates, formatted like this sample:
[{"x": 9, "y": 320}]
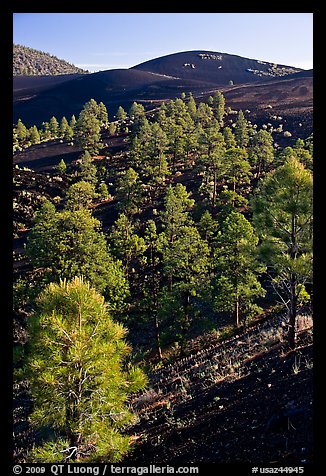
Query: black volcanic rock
[
  {"x": 24, "y": 87},
  {"x": 113, "y": 87},
  {"x": 212, "y": 66}
]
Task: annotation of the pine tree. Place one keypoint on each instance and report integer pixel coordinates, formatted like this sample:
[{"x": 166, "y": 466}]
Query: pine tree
[
  {"x": 283, "y": 215},
  {"x": 121, "y": 114},
  {"x": 153, "y": 280},
  {"x": 88, "y": 126},
  {"x": 54, "y": 127},
  {"x": 212, "y": 149},
  {"x": 192, "y": 107},
  {"x": 219, "y": 106},
  {"x": 204, "y": 114},
  {"x": 103, "y": 191},
  {"x": 112, "y": 128},
  {"x": 103, "y": 115},
  {"x": 148, "y": 149},
  {"x": 68, "y": 243},
  {"x": 237, "y": 168},
  {"x": 78, "y": 380},
  {"x": 229, "y": 201},
  {"x": 136, "y": 111},
  {"x": 66, "y": 130},
  {"x": 237, "y": 268},
  {"x": 229, "y": 138},
  {"x": 63, "y": 127},
  {"x": 125, "y": 243},
  {"x": 241, "y": 130},
  {"x": 177, "y": 204},
  {"x": 80, "y": 195},
  {"x": 45, "y": 132},
  {"x": 176, "y": 142},
  {"x": 69, "y": 134},
  {"x": 34, "y": 135},
  {"x": 207, "y": 227},
  {"x": 187, "y": 261},
  {"x": 128, "y": 192},
  {"x": 72, "y": 122},
  {"x": 62, "y": 168},
  {"x": 304, "y": 155},
  {"x": 21, "y": 132},
  {"x": 262, "y": 151},
  {"x": 91, "y": 108},
  {"x": 175, "y": 216},
  {"x": 86, "y": 169},
  {"x": 88, "y": 132}
]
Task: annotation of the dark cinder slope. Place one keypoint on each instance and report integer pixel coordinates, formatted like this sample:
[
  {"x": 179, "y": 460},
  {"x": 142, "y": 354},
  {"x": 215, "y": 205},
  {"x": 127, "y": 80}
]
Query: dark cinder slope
[
  {"x": 216, "y": 67},
  {"x": 199, "y": 72},
  {"x": 293, "y": 92},
  {"x": 24, "y": 87},
  {"x": 113, "y": 87},
  {"x": 287, "y": 101}
]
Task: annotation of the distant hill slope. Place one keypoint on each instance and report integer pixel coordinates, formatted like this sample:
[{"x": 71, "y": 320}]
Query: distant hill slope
[
  {"x": 114, "y": 87},
  {"x": 26, "y": 87},
  {"x": 212, "y": 66},
  {"x": 31, "y": 62},
  {"x": 36, "y": 99}
]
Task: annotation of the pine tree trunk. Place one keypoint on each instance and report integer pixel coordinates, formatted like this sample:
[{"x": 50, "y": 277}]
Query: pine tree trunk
[
  {"x": 214, "y": 190},
  {"x": 157, "y": 337},
  {"x": 292, "y": 316},
  {"x": 293, "y": 287},
  {"x": 236, "y": 304},
  {"x": 237, "y": 314},
  {"x": 258, "y": 170},
  {"x": 154, "y": 291},
  {"x": 185, "y": 320}
]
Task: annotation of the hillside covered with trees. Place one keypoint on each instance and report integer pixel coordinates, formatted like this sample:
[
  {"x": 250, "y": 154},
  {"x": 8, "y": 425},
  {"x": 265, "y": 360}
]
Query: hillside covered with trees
[
  {"x": 31, "y": 62},
  {"x": 194, "y": 228}
]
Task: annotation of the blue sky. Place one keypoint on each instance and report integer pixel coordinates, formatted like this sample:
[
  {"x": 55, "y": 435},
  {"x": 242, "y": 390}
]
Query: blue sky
[{"x": 99, "y": 41}]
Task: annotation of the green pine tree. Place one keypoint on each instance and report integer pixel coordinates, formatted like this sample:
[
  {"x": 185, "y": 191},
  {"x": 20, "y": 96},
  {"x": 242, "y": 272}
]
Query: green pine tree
[
  {"x": 80, "y": 195},
  {"x": 62, "y": 167},
  {"x": 34, "y": 135},
  {"x": 21, "y": 132},
  {"x": 129, "y": 192},
  {"x": 237, "y": 268},
  {"x": 283, "y": 214},
  {"x": 262, "y": 151},
  {"x": 126, "y": 245},
  {"x": 121, "y": 114},
  {"x": 79, "y": 382},
  {"x": 54, "y": 127},
  {"x": 219, "y": 106},
  {"x": 64, "y": 125},
  {"x": 69, "y": 242},
  {"x": 86, "y": 169},
  {"x": 103, "y": 191},
  {"x": 241, "y": 130},
  {"x": 187, "y": 261}
]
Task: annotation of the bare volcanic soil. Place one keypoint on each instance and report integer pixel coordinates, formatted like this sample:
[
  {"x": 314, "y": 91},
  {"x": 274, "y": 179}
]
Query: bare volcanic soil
[
  {"x": 260, "y": 413},
  {"x": 291, "y": 99},
  {"x": 25, "y": 87},
  {"x": 46, "y": 156},
  {"x": 119, "y": 87},
  {"x": 212, "y": 66}
]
